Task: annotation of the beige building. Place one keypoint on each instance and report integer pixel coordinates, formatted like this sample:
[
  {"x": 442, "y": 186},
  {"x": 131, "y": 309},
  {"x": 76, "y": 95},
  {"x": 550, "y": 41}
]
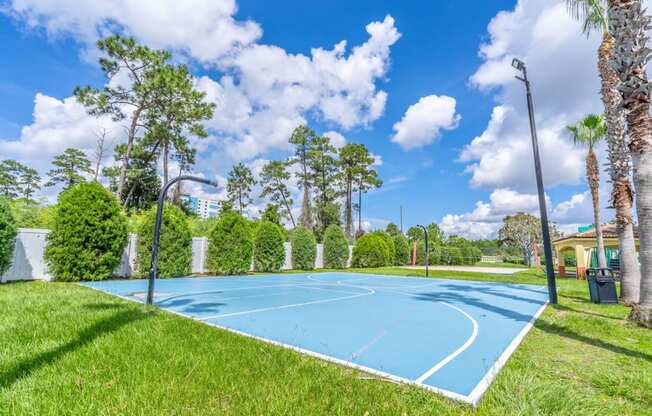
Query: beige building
[{"x": 583, "y": 246}]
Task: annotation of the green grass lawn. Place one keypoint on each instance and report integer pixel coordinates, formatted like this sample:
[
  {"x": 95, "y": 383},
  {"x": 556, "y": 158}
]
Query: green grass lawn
[{"x": 66, "y": 349}]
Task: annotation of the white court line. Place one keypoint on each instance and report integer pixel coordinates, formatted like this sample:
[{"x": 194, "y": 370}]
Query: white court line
[
  {"x": 293, "y": 305},
  {"x": 482, "y": 386},
  {"x": 473, "y": 398},
  {"x": 455, "y": 353},
  {"x": 186, "y": 294}
]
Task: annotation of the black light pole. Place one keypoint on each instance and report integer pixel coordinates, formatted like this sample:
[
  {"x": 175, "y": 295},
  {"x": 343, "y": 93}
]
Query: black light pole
[
  {"x": 425, "y": 232},
  {"x": 153, "y": 270},
  {"x": 547, "y": 248}
]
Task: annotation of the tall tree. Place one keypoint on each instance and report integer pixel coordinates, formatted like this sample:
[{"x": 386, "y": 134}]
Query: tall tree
[
  {"x": 240, "y": 182},
  {"x": 18, "y": 180},
  {"x": 142, "y": 180},
  {"x": 593, "y": 15},
  {"x": 70, "y": 166},
  {"x": 323, "y": 169},
  {"x": 588, "y": 131},
  {"x": 351, "y": 156},
  {"x": 144, "y": 92},
  {"x": 523, "y": 231},
  {"x": 29, "y": 182},
  {"x": 100, "y": 150},
  {"x": 367, "y": 179},
  {"x": 181, "y": 112},
  {"x": 355, "y": 174},
  {"x": 302, "y": 138},
  {"x": 629, "y": 26},
  {"x": 273, "y": 180}
]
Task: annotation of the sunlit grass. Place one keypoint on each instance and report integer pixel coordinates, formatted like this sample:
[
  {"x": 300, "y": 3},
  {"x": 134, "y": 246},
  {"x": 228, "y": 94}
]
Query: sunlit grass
[{"x": 66, "y": 349}]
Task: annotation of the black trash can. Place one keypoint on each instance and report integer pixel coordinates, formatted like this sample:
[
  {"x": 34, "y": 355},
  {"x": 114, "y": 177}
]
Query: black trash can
[{"x": 602, "y": 286}]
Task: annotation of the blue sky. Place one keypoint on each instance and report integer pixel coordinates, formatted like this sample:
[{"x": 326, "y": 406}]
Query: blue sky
[{"x": 461, "y": 156}]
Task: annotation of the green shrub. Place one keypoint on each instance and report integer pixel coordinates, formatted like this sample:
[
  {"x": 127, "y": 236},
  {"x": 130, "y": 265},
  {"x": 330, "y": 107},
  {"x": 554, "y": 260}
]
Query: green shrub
[
  {"x": 336, "y": 248},
  {"x": 370, "y": 250},
  {"x": 435, "y": 253},
  {"x": 7, "y": 235},
  {"x": 175, "y": 248},
  {"x": 452, "y": 255},
  {"x": 88, "y": 235},
  {"x": 391, "y": 249},
  {"x": 269, "y": 253},
  {"x": 402, "y": 249},
  {"x": 304, "y": 249},
  {"x": 231, "y": 245}
]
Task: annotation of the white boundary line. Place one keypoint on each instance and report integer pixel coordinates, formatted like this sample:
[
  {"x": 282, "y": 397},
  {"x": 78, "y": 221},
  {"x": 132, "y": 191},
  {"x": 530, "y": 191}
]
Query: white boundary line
[
  {"x": 473, "y": 398},
  {"x": 482, "y": 386},
  {"x": 455, "y": 353}
]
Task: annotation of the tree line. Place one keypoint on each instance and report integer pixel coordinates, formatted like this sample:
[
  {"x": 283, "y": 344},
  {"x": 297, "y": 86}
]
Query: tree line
[{"x": 326, "y": 175}]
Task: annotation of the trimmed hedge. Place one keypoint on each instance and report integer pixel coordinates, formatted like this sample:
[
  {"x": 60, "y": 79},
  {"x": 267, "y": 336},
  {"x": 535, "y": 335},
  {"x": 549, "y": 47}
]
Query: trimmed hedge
[
  {"x": 269, "y": 253},
  {"x": 389, "y": 241},
  {"x": 88, "y": 236},
  {"x": 336, "y": 248},
  {"x": 7, "y": 235},
  {"x": 402, "y": 249},
  {"x": 370, "y": 250},
  {"x": 175, "y": 249},
  {"x": 304, "y": 249},
  {"x": 231, "y": 245}
]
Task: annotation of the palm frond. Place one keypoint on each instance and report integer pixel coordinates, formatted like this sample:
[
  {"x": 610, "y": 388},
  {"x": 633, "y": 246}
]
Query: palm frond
[
  {"x": 590, "y": 130},
  {"x": 592, "y": 14}
]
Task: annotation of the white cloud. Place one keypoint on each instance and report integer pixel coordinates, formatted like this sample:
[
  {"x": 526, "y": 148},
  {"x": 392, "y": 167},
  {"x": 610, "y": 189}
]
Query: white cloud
[
  {"x": 261, "y": 95},
  {"x": 485, "y": 220},
  {"x": 203, "y": 29},
  {"x": 423, "y": 121},
  {"x": 562, "y": 68},
  {"x": 57, "y": 125},
  {"x": 337, "y": 140}
]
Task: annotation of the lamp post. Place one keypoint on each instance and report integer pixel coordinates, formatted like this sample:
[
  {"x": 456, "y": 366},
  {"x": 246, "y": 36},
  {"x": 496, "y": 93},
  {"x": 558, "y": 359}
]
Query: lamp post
[
  {"x": 425, "y": 232},
  {"x": 153, "y": 270},
  {"x": 547, "y": 248}
]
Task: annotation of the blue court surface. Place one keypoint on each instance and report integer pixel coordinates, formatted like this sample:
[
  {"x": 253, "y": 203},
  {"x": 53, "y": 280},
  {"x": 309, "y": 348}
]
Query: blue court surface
[{"x": 448, "y": 336}]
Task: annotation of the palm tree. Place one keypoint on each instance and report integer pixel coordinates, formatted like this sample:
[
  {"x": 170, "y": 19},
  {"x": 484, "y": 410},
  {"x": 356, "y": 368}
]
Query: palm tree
[
  {"x": 588, "y": 131},
  {"x": 592, "y": 14},
  {"x": 628, "y": 25}
]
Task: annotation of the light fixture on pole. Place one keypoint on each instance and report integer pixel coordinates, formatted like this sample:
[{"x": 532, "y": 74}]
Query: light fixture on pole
[{"x": 547, "y": 247}]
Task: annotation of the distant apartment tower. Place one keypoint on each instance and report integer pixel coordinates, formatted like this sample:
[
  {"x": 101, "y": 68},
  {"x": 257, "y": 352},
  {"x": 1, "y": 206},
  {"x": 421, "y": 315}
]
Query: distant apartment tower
[{"x": 204, "y": 208}]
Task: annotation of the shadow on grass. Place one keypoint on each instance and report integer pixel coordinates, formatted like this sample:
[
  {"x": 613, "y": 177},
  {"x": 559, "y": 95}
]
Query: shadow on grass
[
  {"x": 103, "y": 327},
  {"x": 599, "y": 315},
  {"x": 568, "y": 333}
]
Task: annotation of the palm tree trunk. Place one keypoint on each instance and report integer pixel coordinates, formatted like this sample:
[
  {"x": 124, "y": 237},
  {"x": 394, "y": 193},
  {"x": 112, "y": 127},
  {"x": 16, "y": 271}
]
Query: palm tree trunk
[
  {"x": 593, "y": 177},
  {"x": 622, "y": 195},
  {"x": 629, "y": 26}
]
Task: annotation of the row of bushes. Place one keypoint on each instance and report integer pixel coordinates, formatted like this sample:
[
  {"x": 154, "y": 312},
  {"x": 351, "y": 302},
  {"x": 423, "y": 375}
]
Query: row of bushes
[{"x": 90, "y": 232}]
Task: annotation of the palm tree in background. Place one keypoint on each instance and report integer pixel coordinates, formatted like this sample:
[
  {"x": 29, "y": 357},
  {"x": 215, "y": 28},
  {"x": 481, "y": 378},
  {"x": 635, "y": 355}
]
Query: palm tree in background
[
  {"x": 588, "y": 131},
  {"x": 593, "y": 15},
  {"x": 629, "y": 25}
]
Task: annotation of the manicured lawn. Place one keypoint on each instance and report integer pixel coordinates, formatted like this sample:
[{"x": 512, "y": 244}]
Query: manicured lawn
[{"x": 66, "y": 349}]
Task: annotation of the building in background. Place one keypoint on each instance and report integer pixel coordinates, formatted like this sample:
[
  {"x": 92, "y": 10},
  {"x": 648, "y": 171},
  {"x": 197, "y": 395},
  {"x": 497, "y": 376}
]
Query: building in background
[{"x": 204, "y": 208}]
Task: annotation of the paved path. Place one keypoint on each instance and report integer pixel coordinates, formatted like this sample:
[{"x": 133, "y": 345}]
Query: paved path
[{"x": 477, "y": 269}]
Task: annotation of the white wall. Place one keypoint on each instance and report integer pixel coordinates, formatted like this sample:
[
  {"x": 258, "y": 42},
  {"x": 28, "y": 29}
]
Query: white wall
[{"x": 28, "y": 262}]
